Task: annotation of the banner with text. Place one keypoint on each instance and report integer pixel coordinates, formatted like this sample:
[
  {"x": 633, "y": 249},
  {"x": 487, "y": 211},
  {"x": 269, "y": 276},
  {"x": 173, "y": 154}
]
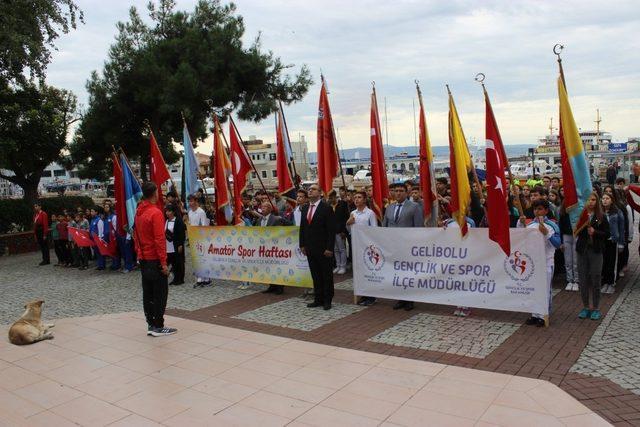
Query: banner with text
[
  {"x": 268, "y": 255},
  {"x": 436, "y": 265}
]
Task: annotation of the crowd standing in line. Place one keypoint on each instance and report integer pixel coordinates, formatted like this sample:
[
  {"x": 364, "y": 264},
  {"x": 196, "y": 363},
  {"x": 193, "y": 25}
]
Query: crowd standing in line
[{"x": 592, "y": 261}]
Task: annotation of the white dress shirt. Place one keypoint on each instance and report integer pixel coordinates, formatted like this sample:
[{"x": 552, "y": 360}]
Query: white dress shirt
[
  {"x": 364, "y": 217},
  {"x": 297, "y": 216},
  {"x": 198, "y": 217}
]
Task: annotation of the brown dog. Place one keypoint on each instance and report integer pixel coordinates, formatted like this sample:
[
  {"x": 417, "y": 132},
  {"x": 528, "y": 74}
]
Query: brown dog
[{"x": 29, "y": 328}]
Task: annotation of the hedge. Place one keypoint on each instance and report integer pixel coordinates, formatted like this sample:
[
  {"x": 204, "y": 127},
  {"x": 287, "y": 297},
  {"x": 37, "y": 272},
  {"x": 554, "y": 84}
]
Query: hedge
[{"x": 20, "y": 212}]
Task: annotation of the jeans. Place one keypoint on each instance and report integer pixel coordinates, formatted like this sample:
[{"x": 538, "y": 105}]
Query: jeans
[
  {"x": 340, "y": 252},
  {"x": 609, "y": 258},
  {"x": 570, "y": 259},
  {"x": 590, "y": 272},
  {"x": 155, "y": 290}
]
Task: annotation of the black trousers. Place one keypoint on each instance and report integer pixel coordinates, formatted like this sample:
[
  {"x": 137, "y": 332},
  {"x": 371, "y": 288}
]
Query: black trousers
[
  {"x": 176, "y": 260},
  {"x": 322, "y": 275},
  {"x": 58, "y": 250},
  {"x": 609, "y": 256},
  {"x": 155, "y": 290},
  {"x": 44, "y": 247}
]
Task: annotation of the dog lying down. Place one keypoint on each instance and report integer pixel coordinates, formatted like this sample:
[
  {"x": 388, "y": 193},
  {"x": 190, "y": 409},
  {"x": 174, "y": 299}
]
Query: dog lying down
[{"x": 29, "y": 328}]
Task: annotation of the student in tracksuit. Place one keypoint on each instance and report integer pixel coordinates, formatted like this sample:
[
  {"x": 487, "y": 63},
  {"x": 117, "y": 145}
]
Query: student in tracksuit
[{"x": 551, "y": 234}]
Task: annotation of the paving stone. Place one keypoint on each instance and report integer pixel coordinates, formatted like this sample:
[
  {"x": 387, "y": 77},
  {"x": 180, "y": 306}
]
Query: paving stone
[
  {"x": 613, "y": 350},
  {"x": 293, "y": 313},
  {"x": 69, "y": 292},
  {"x": 448, "y": 334}
]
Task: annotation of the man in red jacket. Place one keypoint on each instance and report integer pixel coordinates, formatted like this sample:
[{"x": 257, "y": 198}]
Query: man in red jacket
[
  {"x": 41, "y": 231},
  {"x": 151, "y": 248}
]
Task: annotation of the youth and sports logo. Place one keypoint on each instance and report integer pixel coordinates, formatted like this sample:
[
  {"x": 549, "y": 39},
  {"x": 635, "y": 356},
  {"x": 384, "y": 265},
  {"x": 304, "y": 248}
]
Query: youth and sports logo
[
  {"x": 373, "y": 258},
  {"x": 519, "y": 266}
]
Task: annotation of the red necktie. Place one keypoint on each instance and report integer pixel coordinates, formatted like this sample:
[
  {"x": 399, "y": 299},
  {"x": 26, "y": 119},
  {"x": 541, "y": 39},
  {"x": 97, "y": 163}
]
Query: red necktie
[{"x": 310, "y": 213}]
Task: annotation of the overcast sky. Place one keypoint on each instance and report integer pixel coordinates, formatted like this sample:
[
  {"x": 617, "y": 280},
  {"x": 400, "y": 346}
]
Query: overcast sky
[{"x": 436, "y": 42}]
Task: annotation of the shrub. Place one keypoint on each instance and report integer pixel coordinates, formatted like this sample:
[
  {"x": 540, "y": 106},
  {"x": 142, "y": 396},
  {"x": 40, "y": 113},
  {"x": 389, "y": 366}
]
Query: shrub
[{"x": 17, "y": 214}]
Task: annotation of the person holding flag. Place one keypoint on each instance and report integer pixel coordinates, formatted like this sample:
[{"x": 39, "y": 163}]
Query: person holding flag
[{"x": 96, "y": 231}]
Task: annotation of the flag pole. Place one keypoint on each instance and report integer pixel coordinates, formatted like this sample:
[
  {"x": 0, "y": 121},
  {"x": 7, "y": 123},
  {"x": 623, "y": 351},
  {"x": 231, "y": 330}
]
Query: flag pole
[
  {"x": 293, "y": 160},
  {"x": 204, "y": 187},
  {"x": 335, "y": 140},
  {"x": 473, "y": 167}
]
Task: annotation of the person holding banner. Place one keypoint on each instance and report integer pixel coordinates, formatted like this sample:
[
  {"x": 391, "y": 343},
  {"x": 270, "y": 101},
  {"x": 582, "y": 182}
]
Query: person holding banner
[
  {"x": 551, "y": 233},
  {"x": 198, "y": 218},
  {"x": 364, "y": 216},
  {"x": 269, "y": 220},
  {"x": 403, "y": 213},
  {"x": 317, "y": 239}
]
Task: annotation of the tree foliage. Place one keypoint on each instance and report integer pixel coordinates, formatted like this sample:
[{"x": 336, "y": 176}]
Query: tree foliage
[
  {"x": 174, "y": 64},
  {"x": 34, "y": 123},
  {"x": 28, "y": 29}
]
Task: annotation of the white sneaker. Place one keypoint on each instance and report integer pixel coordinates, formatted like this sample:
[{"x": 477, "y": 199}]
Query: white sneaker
[
  {"x": 335, "y": 270},
  {"x": 457, "y": 312},
  {"x": 341, "y": 271},
  {"x": 621, "y": 274},
  {"x": 569, "y": 287},
  {"x": 603, "y": 289},
  {"x": 576, "y": 287}
]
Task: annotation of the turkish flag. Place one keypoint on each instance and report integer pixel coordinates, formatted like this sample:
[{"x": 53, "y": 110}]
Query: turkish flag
[
  {"x": 109, "y": 248},
  {"x": 497, "y": 194},
  {"x": 378, "y": 168},
  {"x": 81, "y": 237},
  {"x": 633, "y": 197},
  {"x": 240, "y": 166},
  {"x": 327, "y": 156},
  {"x": 159, "y": 173},
  {"x": 285, "y": 183}
]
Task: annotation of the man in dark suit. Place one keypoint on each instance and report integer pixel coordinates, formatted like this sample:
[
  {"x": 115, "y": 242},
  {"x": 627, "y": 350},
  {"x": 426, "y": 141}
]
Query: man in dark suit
[
  {"x": 317, "y": 239},
  {"x": 269, "y": 220},
  {"x": 175, "y": 234},
  {"x": 403, "y": 213}
]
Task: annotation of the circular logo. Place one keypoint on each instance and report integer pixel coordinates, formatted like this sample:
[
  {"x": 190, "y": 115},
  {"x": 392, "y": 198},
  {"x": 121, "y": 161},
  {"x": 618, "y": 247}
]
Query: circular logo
[
  {"x": 519, "y": 266},
  {"x": 301, "y": 257},
  {"x": 373, "y": 258}
]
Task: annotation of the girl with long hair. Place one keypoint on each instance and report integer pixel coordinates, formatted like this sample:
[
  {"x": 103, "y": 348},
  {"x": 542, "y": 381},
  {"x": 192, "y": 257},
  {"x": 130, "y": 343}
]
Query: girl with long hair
[
  {"x": 589, "y": 246},
  {"x": 613, "y": 245}
]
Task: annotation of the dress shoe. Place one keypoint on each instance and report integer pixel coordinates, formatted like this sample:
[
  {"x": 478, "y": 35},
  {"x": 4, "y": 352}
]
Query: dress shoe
[
  {"x": 268, "y": 290},
  {"x": 278, "y": 291},
  {"x": 327, "y": 307},
  {"x": 313, "y": 304},
  {"x": 408, "y": 306},
  {"x": 398, "y": 305}
]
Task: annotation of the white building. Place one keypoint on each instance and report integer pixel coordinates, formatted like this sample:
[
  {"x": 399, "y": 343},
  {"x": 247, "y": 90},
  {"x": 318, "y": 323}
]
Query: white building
[{"x": 264, "y": 158}]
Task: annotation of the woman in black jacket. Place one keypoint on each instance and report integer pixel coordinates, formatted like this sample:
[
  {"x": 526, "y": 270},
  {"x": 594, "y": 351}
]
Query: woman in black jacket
[
  {"x": 590, "y": 246},
  {"x": 175, "y": 233}
]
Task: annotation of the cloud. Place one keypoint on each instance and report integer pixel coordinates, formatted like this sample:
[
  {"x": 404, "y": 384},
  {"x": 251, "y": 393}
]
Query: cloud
[{"x": 393, "y": 43}]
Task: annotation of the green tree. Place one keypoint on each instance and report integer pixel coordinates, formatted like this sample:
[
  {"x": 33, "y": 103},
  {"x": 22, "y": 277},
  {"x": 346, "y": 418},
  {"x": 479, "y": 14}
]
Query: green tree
[
  {"x": 34, "y": 124},
  {"x": 28, "y": 29},
  {"x": 175, "y": 64}
]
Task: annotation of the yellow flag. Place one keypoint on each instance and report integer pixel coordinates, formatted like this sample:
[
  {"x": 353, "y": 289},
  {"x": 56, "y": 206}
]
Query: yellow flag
[{"x": 460, "y": 164}]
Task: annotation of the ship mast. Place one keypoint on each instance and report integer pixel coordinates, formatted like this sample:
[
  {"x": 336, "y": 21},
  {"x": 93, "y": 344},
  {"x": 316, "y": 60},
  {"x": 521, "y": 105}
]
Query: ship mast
[{"x": 597, "y": 122}]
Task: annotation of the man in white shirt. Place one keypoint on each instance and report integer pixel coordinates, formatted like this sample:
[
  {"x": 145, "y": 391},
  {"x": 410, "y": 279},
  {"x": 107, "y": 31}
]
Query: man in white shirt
[
  {"x": 198, "y": 218},
  {"x": 302, "y": 198},
  {"x": 364, "y": 216}
]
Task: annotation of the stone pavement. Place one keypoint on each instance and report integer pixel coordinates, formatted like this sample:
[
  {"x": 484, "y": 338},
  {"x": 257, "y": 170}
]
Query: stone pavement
[
  {"x": 69, "y": 292},
  {"x": 613, "y": 351},
  {"x": 104, "y": 370},
  {"x": 446, "y": 334},
  {"x": 570, "y": 353}
]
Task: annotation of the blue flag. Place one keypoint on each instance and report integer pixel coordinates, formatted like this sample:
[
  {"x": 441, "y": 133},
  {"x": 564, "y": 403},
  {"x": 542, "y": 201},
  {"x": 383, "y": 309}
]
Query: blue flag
[
  {"x": 132, "y": 190},
  {"x": 189, "y": 164}
]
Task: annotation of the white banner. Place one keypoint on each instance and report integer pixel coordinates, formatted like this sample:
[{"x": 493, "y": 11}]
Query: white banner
[{"x": 437, "y": 265}]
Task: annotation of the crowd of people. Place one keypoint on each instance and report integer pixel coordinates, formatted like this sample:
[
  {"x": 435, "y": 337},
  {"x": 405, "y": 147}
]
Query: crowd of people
[{"x": 592, "y": 261}]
